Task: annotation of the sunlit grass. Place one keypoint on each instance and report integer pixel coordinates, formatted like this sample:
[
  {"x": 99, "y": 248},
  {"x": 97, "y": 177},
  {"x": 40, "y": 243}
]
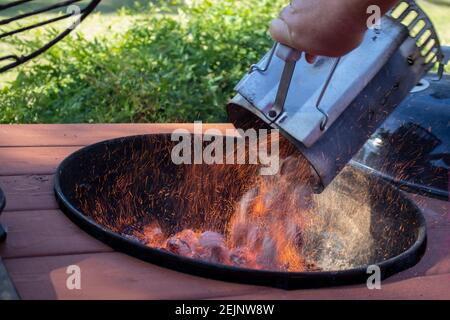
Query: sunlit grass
[
  {"x": 163, "y": 67},
  {"x": 109, "y": 18}
]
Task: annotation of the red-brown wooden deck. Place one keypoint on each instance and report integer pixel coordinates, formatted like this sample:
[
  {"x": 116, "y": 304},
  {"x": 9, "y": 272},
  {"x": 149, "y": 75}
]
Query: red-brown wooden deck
[{"x": 42, "y": 242}]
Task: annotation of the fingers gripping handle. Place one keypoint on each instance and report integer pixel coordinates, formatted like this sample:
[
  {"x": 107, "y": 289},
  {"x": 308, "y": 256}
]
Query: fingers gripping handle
[{"x": 286, "y": 53}]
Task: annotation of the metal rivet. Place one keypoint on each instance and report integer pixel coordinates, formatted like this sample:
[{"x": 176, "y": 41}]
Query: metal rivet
[{"x": 272, "y": 113}]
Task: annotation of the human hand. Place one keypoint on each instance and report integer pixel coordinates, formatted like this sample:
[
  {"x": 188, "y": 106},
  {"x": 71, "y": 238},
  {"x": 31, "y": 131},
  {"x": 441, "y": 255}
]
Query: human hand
[{"x": 324, "y": 27}]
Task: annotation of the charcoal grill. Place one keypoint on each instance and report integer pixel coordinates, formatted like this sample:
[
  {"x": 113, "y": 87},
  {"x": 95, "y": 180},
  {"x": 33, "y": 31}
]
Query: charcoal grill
[{"x": 106, "y": 187}]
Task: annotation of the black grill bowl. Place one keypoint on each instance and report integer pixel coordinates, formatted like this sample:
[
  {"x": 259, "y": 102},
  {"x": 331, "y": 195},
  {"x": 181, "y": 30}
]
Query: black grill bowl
[{"x": 94, "y": 186}]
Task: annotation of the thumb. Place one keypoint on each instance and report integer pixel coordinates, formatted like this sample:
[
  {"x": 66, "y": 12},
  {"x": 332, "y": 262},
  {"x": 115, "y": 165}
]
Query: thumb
[{"x": 280, "y": 32}]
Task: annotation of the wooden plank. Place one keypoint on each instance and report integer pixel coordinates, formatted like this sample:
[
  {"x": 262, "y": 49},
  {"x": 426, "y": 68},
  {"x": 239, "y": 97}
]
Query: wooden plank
[
  {"x": 44, "y": 160},
  {"x": 29, "y": 192},
  {"x": 42, "y": 233},
  {"x": 429, "y": 287},
  {"x": 117, "y": 276},
  {"x": 32, "y": 160},
  {"x": 112, "y": 276},
  {"x": 83, "y": 134}
]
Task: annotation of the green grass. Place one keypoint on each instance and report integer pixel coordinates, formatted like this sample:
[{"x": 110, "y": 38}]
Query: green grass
[
  {"x": 105, "y": 6},
  {"x": 108, "y": 18},
  {"x": 147, "y": 65}
]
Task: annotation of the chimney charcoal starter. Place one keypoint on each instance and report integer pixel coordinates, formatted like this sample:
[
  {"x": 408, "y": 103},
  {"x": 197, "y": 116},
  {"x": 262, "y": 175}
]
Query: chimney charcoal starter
[
  {"x": 330, "y": 108},
  {"x": 129, "y": 194}
]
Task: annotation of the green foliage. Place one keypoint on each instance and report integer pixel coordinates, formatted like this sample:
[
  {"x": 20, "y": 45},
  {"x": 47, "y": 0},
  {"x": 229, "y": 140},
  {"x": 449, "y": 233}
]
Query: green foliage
[{"x": 168, "y": 67}]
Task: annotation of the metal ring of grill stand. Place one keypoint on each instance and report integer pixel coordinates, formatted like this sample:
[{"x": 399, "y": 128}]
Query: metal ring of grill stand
[
  {"x": 84, "y": 183},
  {"x": 12, "y": 60}
]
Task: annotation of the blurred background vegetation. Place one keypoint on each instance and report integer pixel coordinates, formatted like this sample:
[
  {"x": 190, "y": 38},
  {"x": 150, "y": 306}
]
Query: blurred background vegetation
[{"x": 146, "y": 61}]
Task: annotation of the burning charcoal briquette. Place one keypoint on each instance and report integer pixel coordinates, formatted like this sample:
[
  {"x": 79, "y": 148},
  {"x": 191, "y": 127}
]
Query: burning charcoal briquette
[
  {"x": 210, "y": 239},
  {"x": 242, "y": 257},
  {"x": 153, "y": 236},
  {"x": 183, "y": 243}
]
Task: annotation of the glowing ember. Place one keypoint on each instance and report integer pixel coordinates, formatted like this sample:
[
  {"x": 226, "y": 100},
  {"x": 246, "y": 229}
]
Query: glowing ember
[{"x": 265, "y": 231}]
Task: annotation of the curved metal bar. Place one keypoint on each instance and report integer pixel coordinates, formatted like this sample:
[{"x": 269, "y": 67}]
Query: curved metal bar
[
  {"x": 324, "y": 122},
  {"x": 255, "y": 67},
  {"x": 22, "y": 59},
  {"x": 13, "y": 4},
  {"x": 9, "y": 57},
  {"x": 413, "y": 7},
  {"x": 40, "y": 24}
]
